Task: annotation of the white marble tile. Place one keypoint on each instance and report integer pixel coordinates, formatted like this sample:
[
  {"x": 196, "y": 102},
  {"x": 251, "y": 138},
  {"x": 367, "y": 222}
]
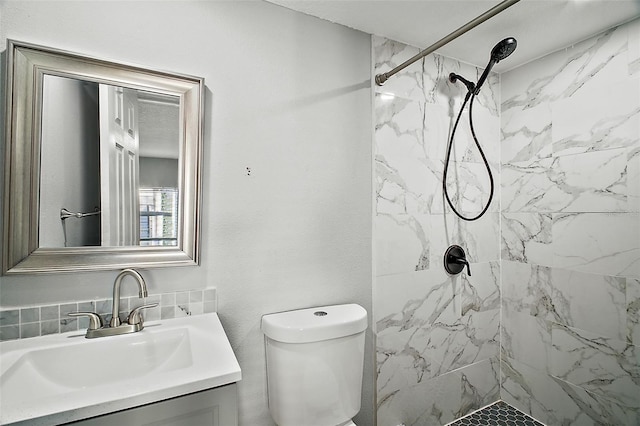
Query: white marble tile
[
  {"x": 469, "y": 188},
  {"x": 525, "y": 338},
  {"x": 404, "y": 178},
  {"x": 634, "y": 48},
  {"x": 535, "y": 393},
  {"x": 480, "y": 385},
  {"x": 633, "y": 177},
  {"x": 603, "y": 366},
  {"x": 401, "y": 244},
  {"x": 600, "y": 243},
  {"x": 438, "y": 89},
  {"x": 633, "y": 311},
  {"x": 526, "y": 237},
  {"x": 595, "y": 409},
  {"x": 453, "y": 345},
  {"x": 433, "y": 402},
  {"x": 557, "y": 402},
  {"x": 479, "y": 238},
  {"x": 437, "y": 127},
  {"x": 528, "y": 187},
  {"x": 416, "y": 299},
  {"x": 592, "y": 182},
  {"x": 527, "y": 288},
  {"x": 577, "y": 294},
  {"x": 408, "y": 307},
  {"x": 481, "y": 290},
  {"x": 526, "y": 134},
  {"x": 604, "y": 118},
  {"x": 585, "y": 66},
  {"x": 387, "y": 54}
]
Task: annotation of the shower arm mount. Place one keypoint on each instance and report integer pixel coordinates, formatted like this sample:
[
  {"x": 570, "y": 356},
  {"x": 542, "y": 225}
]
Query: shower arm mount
[{"x": 383, "y": 77}]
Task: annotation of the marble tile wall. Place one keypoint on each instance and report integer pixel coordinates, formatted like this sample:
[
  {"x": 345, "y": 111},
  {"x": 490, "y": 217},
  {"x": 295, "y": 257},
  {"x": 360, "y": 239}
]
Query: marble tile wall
[
  {"x": 437, "y": 336},
  {"x": 32, "y": 321},
  {"x": 570, "y": 233}
]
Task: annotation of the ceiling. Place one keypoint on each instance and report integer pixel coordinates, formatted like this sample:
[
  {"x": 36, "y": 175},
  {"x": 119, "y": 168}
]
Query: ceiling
[{"x": 540, "y": 26}]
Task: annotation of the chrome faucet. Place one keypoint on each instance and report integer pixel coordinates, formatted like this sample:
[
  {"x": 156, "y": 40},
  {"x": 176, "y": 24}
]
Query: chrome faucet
[
  {"x": 135, "y": 322},
  {"x": 142, "y": 292}
]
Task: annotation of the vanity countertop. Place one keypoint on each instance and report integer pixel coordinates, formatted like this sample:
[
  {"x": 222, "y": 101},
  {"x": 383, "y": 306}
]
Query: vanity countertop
[{"x": 64, "y": 377}]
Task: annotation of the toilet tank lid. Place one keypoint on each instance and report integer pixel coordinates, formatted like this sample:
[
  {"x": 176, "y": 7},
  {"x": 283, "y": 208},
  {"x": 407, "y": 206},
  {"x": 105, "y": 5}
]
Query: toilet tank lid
[{"x": 315, "y": 324}]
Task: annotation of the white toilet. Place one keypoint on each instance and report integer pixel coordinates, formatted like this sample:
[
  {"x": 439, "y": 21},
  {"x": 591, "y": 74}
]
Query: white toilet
[{"x": 314, "y": 364}]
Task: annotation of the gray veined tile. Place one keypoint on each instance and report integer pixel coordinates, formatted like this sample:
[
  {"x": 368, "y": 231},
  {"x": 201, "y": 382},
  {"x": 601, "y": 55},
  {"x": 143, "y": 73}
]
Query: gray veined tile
[
  {"x": 415, "y": 300},
  {"x": 633, "y": 311},
  {"x": 525, "y": 338},
  {"x": 603, "y": 366},
  {"x": 605, "y": 118},
  {"x": 596, "y": 409},
  {"x": 402, "y": 244},
  {"x": 29, "y": 315},
  {"x": 586, "y": 66},
  {"x": 526, "y": 134},
  {"x": 592, "y": 182},
  {"x": 600, "y": 243},
  {"x": 528, "y": 187},
  {"x": 469, "y": 187},
  {"x": 634, "y": 48},
  {"x": 526, "y": 237},
  {"x": 448, "y": 346},
  {"x": 557, "y": 402},
  {"x": 9, "y": 317},
  {"x": 387, "y": 54},
  {"x": 481, "y": 291},
  {"x": 633, "y": 177},
  {"x": 432, "y": 402},
  {"x": 528, "y": 289},
  {"x": 480, "y": 385},
  {"x": 575, "y": 294},
  {"x": 487, "y": 130}
]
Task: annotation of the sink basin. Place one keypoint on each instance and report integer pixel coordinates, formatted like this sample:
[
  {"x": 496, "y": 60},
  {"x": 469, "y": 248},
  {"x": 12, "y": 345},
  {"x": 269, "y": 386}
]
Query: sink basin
[{"x": 65, "y": 377}]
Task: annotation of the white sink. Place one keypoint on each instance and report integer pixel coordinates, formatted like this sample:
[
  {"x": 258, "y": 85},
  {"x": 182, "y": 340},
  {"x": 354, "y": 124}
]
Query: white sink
[{"x": 65, "y": 377}]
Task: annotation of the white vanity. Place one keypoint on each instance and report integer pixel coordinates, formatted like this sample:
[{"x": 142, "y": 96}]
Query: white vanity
[{"x": 178, "y": 371}]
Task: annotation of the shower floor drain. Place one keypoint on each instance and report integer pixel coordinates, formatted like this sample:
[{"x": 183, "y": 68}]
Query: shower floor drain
[{"x": 500, "y": 413}]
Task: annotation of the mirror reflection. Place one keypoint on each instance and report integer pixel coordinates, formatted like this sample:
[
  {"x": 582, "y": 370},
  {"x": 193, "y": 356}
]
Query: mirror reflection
[{"x": 109, "y": 165}]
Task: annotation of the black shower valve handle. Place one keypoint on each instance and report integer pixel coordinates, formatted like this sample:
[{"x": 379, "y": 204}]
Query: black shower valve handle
[
  {"x": 461, "y": 261},
  {"x": 455, "y": 259}
]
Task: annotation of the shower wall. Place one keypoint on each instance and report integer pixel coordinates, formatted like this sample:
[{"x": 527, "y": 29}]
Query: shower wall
[
  {"x": 571, "y": 232},
  {"x": 437, "y": 336}
]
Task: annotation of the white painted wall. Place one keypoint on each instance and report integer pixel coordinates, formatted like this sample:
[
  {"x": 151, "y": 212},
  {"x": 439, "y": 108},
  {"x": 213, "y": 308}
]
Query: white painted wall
[{"x": 287, "y": 175}]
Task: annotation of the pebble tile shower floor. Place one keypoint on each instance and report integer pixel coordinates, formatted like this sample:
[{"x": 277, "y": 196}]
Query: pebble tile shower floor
[{"x": 498, "y": 414}]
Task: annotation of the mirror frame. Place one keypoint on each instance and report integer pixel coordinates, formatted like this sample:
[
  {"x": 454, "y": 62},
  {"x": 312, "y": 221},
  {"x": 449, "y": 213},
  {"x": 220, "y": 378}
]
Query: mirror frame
[{"x": 26, "y": 66}]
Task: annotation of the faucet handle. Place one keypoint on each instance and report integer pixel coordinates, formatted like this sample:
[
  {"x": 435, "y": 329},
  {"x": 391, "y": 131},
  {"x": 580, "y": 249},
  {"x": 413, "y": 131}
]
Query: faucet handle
[
  {"x": 135, "y": 316},
  {"x": 95, "y": 321}
]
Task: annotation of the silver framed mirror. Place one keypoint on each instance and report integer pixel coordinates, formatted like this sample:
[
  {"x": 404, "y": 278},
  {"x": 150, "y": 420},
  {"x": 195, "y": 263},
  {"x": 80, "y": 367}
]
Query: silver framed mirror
[{"x": 102, "y": 164}]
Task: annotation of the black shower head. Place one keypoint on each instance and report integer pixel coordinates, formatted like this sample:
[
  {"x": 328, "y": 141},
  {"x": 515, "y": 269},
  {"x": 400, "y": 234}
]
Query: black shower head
[
  {"x": 498, "y": 53},
  {"x": 503, "y": 49}
]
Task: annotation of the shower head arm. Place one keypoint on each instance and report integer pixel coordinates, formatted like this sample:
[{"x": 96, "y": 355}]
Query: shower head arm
[{"x": 453, "y": 77}]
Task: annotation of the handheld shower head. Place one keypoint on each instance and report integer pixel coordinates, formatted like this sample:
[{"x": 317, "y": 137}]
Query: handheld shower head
[
  {"x": 500, "y": 51},
  {"x": 503, "y": 49}
]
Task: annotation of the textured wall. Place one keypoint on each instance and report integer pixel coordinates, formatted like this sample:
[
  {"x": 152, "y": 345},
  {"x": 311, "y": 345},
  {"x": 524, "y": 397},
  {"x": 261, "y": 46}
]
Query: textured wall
[
  {"x": 571, "y": 232},
  {"x": 437, "y": 336}
]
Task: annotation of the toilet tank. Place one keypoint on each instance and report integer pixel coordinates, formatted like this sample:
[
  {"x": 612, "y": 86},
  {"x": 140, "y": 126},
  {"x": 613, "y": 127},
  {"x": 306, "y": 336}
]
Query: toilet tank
[{"x": 314, "y": 364}]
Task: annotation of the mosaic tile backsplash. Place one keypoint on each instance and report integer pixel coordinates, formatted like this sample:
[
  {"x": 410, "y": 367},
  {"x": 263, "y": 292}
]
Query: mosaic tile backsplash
[{"x": 33, "y": 321}]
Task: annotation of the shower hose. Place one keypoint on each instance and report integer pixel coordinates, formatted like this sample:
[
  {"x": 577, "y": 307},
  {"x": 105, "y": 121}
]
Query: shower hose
[{"x": 470, "y": 95}]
